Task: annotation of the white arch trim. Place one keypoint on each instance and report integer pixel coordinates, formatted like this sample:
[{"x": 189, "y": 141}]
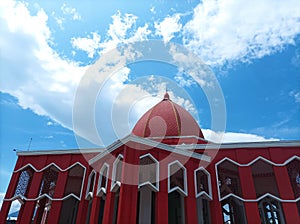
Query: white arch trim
[
  {"x": 148, "y": 183},
  {"x": 89, "y": 194},
  {"x": 249, "y": 164},
  {"x": 177, "y": 188},
  {"x": 50, "y": 164},
  {"x": 23, "y": 198},
  {"x": 101, "y": 190},
  {"x": 203, "y": 193},
  {"x": 115, "y": 185}
]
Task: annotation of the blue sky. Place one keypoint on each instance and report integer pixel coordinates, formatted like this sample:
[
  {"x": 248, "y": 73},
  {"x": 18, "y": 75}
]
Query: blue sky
[{"x": 252, "y": 48}]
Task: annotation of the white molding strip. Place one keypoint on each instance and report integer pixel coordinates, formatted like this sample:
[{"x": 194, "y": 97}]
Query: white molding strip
[
  {"x": 152, "y": 143},
  {"x": 47, "y": 166},
  {"x": 249, "y": 164},
  {"x": 60, "y": 152},
  {"x": 21, "y": 197}
]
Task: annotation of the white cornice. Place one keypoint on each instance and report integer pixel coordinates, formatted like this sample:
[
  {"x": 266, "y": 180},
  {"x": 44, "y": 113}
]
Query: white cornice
[
  {"x": 60, "y": 152},
  {"x": 183, "y": 148},
  {"x": 152, "y": 143}
]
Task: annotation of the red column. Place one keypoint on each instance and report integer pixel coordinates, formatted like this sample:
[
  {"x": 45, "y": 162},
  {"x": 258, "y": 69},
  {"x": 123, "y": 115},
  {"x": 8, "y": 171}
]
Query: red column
[
  {"x": 129, "y": 187},
  {"x": 215, "y": 205},
  {"x": 9, "y": 194},
  {"x": 61, "y": 182},
  {"x": 109, "y": 200},
  {"x": 109, "y": 207},
  {"x": 96, "y": 204},
  {"x": 10, "y": 191},
  {"x": 162, "y": 196},
  {"x": 286, "y": 192},
  {"x": 190, "y": 200},
  {"x": 83, "y": 203},
  {"x": 248, "y": 191},
  {"x": 34, "y": 189},
  {"x": 29, "y": 206}
]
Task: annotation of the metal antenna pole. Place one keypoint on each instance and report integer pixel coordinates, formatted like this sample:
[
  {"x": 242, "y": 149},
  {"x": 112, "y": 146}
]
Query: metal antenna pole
[{"x": 29, "y": 144}]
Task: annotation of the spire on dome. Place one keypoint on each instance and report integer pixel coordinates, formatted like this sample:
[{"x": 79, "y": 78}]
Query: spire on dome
[{"x": 166, "y": 96}]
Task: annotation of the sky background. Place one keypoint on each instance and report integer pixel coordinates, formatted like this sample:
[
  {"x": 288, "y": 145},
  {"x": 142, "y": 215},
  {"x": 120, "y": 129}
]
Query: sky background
[{"x": 252, "y": 47}]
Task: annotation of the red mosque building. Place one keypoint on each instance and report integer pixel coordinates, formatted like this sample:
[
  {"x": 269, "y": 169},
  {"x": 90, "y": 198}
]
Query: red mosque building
[{"x": 163, "y": 172}]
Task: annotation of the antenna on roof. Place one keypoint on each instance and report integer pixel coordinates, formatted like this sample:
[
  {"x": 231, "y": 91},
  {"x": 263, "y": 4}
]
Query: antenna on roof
[{"x": 29, "y": 144}]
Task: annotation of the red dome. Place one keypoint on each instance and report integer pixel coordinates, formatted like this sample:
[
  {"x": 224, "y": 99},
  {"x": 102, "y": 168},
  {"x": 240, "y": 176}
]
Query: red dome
[{"x": 167, "y": 119}]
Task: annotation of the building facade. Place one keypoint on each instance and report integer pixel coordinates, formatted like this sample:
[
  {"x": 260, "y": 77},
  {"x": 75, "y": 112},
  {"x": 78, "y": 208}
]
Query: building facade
[{"x": 163, "y": 172}]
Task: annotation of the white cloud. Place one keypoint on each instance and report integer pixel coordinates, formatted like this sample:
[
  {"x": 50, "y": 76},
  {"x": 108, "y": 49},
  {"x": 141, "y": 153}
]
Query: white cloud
[
  {"x": 227, "y": 137},
  {"x": 152, "y": 10},
  {"x": 31, "y": 70},
  {"x": 44, "y": 82},
  {"x": 168, "y": 27},
  {"x": 295, "y": 95},
  {"x": 87, "y": 44},
  {"x": 123, "y": 29},
  {"x": 68, "y": 10},
  {"x": 223, "y": 31}
]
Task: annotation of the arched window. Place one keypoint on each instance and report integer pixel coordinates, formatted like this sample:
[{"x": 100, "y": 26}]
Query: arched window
[
  {"x": 116, "y": 184},
  {"x": 24, "y": 182},
  {"x": 90, "y": 186},
  {"x": 47, "y": 187},
  {"x": 177, "y": 188},
  {"x": 177, "y": 178},
  {"x": 73, "y": 187},
  {"x": 148, "y": 185},
  {"x": 233, "y": 211},
  {"x": 117, "y": 173},
  {"x": 102, "y": 189},
  {"x": 270, "y": 211},
  {"x": 75, "y": 181},
  {"x": 148, "y": 172},
  {"x": 14, "y": 210},
  {"x": 264, "y": 178},
  {"x": 102, "y": 183},
  {"x": 90, "y": 194},
  {"x": 229, "y": 180},
  {"x": 293, "y": 168},
  {"x": 203, "y": 194}
]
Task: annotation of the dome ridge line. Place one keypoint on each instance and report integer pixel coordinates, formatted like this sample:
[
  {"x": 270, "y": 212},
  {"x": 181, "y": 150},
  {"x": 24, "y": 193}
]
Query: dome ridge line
[
  {"x": 176, "y": 113},
  {"x": 147, "y": 121}
]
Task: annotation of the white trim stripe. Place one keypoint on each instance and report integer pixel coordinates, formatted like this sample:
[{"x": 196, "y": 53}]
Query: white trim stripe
[
  {"x": 46, "y": 195},
  {"x": 171, "y": 148},
  {"x": 249, "y": 164},
  {"x": 50, "y": 164}
]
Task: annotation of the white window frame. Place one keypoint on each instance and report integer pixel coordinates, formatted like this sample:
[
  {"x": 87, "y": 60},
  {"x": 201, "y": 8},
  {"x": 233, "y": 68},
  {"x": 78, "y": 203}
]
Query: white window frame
[
  {"x": 184, "y": 191},
  {"x": 89, "y": 195},
  {"x": 101, "y": 190},
  {"x": 148, "y": 183},
  {"x": 207, "y": 195},
  {"x": 115, "y": 185}
]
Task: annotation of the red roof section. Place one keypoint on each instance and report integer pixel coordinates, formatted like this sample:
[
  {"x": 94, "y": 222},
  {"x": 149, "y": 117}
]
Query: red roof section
[{"x": 167, "y": 119}]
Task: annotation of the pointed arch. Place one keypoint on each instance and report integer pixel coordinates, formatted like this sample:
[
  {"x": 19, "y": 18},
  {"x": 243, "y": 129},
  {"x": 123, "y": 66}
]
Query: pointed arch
[{"x": 117, "y": 173}]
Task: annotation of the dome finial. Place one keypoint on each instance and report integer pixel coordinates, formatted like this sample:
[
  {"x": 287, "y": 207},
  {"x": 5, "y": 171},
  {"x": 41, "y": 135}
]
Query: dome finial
[{"x": 166, "y": 96}]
